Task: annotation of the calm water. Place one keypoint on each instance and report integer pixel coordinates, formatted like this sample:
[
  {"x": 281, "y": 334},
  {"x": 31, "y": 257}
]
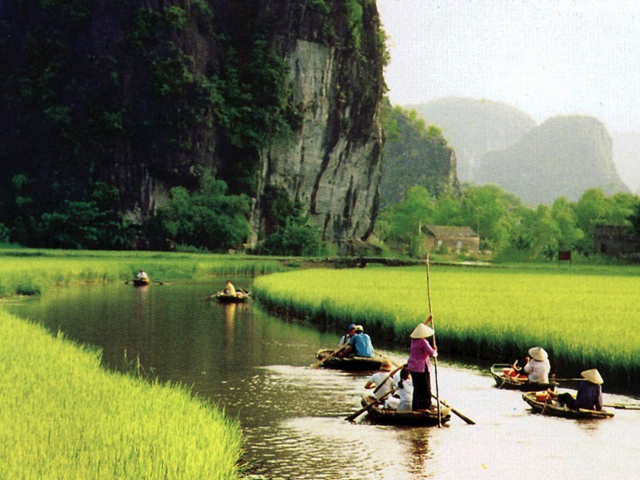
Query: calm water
[{"x": 257, "y": 368}]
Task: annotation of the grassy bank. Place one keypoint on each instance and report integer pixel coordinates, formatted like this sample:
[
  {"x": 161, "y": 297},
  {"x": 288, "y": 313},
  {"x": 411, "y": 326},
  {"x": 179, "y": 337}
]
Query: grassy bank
[
  {"x": 63, "y": 416},
  {"x": 584, "y": 316},
  {"x": 32, "y": 272}
]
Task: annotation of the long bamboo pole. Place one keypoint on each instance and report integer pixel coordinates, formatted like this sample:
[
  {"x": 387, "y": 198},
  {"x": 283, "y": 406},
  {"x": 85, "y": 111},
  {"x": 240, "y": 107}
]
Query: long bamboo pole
[{"x": 435, "y": 359}]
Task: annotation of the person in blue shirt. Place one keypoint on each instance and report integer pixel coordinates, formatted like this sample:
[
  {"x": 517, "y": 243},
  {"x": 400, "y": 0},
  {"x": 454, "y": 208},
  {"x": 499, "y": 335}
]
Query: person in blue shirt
[
  {"x": 589, "y": 392},
  {"x": 359, "y": 345}
]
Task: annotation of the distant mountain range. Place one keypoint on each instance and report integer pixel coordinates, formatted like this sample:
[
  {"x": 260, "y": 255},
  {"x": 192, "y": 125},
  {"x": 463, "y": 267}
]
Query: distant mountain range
[{"x": 498, "y": 143}]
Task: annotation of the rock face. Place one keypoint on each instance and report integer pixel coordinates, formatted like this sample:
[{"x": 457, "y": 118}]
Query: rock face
[
  {"x": 474, "y": 127},
  {"x": 333, "y": 163},
  {"x": 564, "y": 156},
  {"x": 146, "y": 94}
]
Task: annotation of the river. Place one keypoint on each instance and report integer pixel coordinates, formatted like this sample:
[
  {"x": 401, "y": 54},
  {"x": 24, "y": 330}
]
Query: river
[{"x": 256, "y": 367}]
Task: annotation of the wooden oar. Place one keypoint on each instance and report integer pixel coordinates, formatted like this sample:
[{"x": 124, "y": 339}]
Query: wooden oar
[
  {"x": 504, "y": 380},
  {"x": 331, "y": 355},
  {"x": 367, "y": 407},
  {"x": 463, "y": 417},
  {"x": 568, "y": 380},
  {"x": 622, "y": 406}
]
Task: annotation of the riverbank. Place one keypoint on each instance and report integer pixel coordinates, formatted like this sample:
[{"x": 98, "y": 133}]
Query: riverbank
[
  {"x": 64, "y": 416},
  {"x": 583, "y": 316}
]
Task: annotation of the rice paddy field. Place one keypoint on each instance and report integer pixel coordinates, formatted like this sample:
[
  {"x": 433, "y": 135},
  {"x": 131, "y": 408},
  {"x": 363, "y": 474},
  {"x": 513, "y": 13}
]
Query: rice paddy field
[
  {"x": 34, "y": 271},
  {"x": 584, "y": 316},
  {"x": 63, "y": 416}
]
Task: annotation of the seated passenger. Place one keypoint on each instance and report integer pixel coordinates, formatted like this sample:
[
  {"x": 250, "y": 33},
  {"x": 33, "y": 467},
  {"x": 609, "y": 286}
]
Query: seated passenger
[
  {"x": 359, "y": 345},
  {"x": 589, "y": 392},
  {"x": 405, "y": 390},
  {"x": 383, "y": 384}
]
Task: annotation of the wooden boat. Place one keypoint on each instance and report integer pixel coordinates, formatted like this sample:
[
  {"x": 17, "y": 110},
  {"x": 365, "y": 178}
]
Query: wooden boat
[
  {"x": 353, "y": 364},
  {"x": 239, "y": 297},
  {"x": 141, "y": 282},
  {"x": 387, "y": 416},
  {"x": 499, "y": 371},
  {"x": 542, "y": 402}
]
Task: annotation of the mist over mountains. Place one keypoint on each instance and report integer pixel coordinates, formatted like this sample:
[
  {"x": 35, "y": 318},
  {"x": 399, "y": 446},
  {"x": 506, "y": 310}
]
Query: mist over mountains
[{"x": 563, "y": 156}]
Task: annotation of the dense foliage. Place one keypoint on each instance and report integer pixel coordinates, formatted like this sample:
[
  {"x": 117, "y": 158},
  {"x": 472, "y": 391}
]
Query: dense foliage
[
  {"x": 415, "y": 154},
  {"x": 206, "y": 218},
  {"x": 506, "y": 226}
]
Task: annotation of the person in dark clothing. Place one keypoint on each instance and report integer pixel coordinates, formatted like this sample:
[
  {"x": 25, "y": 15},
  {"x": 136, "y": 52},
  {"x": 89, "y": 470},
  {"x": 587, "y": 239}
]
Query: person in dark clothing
[{"x": 589, "y": 394}]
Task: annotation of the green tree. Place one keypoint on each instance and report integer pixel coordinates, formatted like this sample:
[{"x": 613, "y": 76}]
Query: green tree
[
  {"x": 208, "y": 217},
  {"x": 402, "y": 223}
]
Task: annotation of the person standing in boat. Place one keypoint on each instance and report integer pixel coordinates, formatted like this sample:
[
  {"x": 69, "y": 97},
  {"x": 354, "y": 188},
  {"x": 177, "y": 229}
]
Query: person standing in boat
[
  {"x": 359, "y": 345},
  {"x": 229, "y": 289},
  {"x": 351, "y": 331},
  {"x": 419, "y": 366},
  {"x": 589, "y": 392},
  {"x": 538, "y": 366}
]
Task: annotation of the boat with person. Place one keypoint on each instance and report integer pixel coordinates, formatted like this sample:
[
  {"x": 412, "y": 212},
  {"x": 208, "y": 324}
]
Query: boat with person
[
  {"x": 388, "y": 416},
  {"x": 546, "y": 403},
  {"x": 141, "y": 282},
  {"x": 239, "y": 297},
  {"x": 505, "y": 377},
  {"x": 327, "y": 359}
]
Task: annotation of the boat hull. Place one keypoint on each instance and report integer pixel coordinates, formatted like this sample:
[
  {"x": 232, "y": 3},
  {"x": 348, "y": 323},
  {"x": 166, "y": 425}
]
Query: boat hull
[
  {"x": 386, "y": 416},
  {"x": 548, "y": 406},
  {"x": 141, "y": 282},
  {"x": 353, "y": 364},
  {"x": 227, "y": 298}
]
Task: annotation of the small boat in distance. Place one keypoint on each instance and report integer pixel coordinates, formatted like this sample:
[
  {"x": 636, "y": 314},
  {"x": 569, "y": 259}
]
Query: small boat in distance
[
  {"x": 502, "y": 374},
  {"x": 546, "y": 404},
  {"x": 240, "y": 296},
  {"x": 388, "y": 416},
  {"x": 141, "y": 282}
]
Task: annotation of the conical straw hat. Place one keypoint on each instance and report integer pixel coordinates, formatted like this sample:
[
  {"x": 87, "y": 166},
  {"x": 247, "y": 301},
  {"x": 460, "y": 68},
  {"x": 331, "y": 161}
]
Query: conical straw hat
[
  {"x": 593, "y": 376},
  {"x": 538, "y": 353},
  {"x": 422, "y": 331}
]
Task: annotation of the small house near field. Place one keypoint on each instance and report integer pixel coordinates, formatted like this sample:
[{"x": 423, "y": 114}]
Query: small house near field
[
  {"x": 615, "y": 241},
  {"x": 453, "y": 238}
]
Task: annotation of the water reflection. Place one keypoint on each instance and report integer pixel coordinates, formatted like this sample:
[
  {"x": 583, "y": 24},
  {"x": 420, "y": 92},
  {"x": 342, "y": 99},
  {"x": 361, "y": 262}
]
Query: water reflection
[{"x": 257, "y": 368}]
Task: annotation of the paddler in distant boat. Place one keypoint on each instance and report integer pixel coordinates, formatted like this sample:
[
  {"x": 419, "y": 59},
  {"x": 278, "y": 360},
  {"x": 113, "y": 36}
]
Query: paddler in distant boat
[
  {"x": 351, "y": 331},
  {"x": 359, "y": 345},
  {"x": 589, "y": 394},
  {"x": 142, "y": 276},
  {"x": 229, "y": 289},
  {"x": 538, "y": 366}
]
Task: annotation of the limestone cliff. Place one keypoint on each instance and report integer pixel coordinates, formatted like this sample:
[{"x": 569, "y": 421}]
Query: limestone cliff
[{"x": 146, "y": 94}]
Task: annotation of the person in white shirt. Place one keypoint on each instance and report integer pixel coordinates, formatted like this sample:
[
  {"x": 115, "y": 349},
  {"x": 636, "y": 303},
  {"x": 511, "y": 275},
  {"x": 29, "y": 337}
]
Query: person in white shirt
[
  {"x": 405, "y": 390},
  {"x": 385, "y": 383},
  {"x": 538, "y": 366}
]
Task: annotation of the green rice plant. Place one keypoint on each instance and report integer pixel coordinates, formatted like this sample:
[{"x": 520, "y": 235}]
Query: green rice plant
[
  {"x": 63, "y": 416},
  {"x": 584, "y": 317},
  {"x": 32, "y": 272}
]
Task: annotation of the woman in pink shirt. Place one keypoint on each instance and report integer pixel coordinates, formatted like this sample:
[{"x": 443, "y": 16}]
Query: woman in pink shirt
[{"x": 420, "y": 367}]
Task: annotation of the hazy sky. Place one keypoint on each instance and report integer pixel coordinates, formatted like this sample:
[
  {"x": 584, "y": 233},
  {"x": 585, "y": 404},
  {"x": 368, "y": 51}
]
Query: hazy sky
[{"x": 545, "y": 57}]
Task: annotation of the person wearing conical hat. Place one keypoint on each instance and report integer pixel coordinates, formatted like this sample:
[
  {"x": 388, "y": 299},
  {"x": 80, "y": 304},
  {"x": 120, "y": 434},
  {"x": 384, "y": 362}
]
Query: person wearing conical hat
[
  {"x": 589, "y": 392},
  {"x": 383, "y": 382},
  {"x": 420, "y": 367},
  {"x": 538, "y": 366}
]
